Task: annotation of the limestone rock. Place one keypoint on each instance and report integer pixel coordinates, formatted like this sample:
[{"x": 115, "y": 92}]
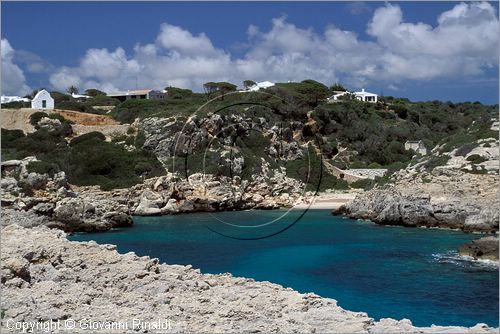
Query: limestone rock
[
  {"x": 485, "y": 248},
  {"x": 44, "y": 276}
]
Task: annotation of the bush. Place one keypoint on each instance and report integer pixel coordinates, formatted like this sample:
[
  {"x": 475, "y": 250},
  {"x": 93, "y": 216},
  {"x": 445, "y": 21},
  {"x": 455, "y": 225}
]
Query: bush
[
  {"x": 101, "y": 100},
  {"x": 36, "y": 117},
  {"x": 91, "y": 136},
  {"x": 16, "y": 105},
  {"x": 476, "y": 159},
  {"x": 436, "y": 161},
  {"x": 362, "y": 184},
  {"x": 374, "y": 165},
  {"x": 25, "y": 188},
  {"x": 43, "y": 167}
]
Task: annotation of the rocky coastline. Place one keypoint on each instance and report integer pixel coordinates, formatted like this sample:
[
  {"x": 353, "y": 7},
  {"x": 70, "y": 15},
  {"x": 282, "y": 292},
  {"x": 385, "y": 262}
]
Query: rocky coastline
[
  {"x": 46, "y": 277},
  {"x": 55, "y": 203}
]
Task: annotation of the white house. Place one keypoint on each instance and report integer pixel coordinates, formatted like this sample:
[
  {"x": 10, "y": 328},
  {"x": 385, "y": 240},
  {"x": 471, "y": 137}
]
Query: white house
[
  {"x": 416, "y": 145},
  {"x": 366, "y": 96},
  {"x": 260, "y": 85},
  {"x": 142, "y": 94},
  {"x": 42, "y": 100},
  {"x": 361, "y": 96},
  {"x": 78, "y": 96},
  {"x": 8, "y": 99}
]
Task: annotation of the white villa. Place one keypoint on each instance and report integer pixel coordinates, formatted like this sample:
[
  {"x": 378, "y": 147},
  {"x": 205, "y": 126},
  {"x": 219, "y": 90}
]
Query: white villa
[
  {"x": 143, "y": 94},
  {"x": 260, "y": 85},
  {"x": 42, "y": 100},
  {"x": 8, "y": 99},
  {"x": 361, "y": 96},
  {"x": 79, "y": 96},
  {"x": 416, "y": 145}
]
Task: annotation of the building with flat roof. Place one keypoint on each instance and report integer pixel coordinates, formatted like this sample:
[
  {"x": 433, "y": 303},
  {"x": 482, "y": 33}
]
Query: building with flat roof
[{"x": 142, "y": 94}]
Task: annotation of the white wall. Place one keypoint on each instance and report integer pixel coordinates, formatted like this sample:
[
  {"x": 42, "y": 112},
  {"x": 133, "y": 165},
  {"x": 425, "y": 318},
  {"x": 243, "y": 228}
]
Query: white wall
[{"x": 43, "y": 95}]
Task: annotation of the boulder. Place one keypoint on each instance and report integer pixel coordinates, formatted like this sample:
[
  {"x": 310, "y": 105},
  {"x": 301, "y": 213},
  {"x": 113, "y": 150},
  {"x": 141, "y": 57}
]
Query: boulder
[
  {"x": 45, "y": 209},
  {"x": 37, "y": 181},
  {"x": 49, "y": 124},
  {"x": 485, "y": 248}
]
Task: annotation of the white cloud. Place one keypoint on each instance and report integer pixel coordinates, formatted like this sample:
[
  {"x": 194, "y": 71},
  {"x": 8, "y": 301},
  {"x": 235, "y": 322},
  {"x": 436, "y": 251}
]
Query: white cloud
[
  {"x": 13, "y": 79},
  {"x": 463, "y": 44}
]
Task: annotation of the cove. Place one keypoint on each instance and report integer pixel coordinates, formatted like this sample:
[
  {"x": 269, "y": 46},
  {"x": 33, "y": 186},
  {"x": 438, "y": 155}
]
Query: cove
[{"x": 388, "y": 272}]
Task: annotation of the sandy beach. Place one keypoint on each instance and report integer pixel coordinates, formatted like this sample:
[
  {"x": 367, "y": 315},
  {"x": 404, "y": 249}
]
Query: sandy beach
[{"x": 327, "y": 201}]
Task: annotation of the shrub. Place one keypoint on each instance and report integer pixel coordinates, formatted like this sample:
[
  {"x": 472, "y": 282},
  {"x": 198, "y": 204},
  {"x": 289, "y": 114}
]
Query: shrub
[
  {"x": 362, "y": 184},
  {"x": 374, "y": 165},
  {"x": 436, "y": 161},
  {"x": 476, "y": 158},
  {"x": 36, "y": 117},
  {"x": 91, "y": 136},
  {"x": 16, "y": 105},
  {"x": 43, "y": 167},
  {"x": 25, "y": 188},
  {"x": 101, "y": 100}
]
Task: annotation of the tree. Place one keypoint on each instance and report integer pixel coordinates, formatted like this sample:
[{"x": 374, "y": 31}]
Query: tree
[
  {"x": 210, "y": 88},
  {"x": 218, "y": 87},
  {"x": 248, "y": 83},
  {"x": 33, "y": 94},
  {"x": 337, "y": 87},
  {"x": 72, "y": 90},
  {"x": 94, "y": 92}
]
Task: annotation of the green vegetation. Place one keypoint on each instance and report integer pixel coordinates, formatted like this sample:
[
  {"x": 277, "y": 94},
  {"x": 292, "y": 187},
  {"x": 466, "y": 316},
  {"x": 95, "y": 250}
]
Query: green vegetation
[
  {"x": 87, "y": 159},
  {"x": 436, "y": 161},
  {"x": 476, "y": 158}
]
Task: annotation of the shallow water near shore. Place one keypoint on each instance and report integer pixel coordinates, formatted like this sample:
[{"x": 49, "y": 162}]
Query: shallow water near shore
[{"x": 393, "y": 272}]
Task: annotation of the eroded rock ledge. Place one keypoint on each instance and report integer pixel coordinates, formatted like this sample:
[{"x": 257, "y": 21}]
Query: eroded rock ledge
[{"x": 45, "y": 276}]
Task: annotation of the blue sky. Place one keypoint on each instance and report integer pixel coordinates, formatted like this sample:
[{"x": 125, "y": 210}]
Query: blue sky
[{"x": 420, "y": 50}]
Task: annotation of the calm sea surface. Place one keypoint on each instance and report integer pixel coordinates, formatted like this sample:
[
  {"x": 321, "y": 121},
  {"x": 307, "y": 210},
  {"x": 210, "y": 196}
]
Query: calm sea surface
[{"x": 391, "y": 272}]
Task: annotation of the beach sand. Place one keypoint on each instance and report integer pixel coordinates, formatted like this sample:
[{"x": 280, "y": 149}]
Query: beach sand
[{"x": 327, "y": 201}]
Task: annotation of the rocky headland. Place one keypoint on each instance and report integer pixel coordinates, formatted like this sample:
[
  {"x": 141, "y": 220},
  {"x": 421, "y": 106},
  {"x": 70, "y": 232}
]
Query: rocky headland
[{"x": 46, "y": 277}]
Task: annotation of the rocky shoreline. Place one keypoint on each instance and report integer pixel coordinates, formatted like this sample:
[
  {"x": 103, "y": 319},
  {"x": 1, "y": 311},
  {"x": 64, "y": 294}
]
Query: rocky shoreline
[
  {"x": 45, "y": 276},
  {"x": 55, "y": 203}
]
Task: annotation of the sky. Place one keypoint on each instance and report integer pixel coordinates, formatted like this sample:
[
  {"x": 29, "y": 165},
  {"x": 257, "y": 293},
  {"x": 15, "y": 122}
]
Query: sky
[{"x": 420, "y": 50}]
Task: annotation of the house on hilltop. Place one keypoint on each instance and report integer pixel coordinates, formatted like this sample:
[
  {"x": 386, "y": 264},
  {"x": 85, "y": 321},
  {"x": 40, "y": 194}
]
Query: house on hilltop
[
  {"x": 142, "y": 94},
  {"x": 416, "y": 145},
  {"x": 9, "y": 99},
  {"x": 361, "y": 96},
  {"x": 260, "y": 85},
  {"x": 42, "y": 100}
]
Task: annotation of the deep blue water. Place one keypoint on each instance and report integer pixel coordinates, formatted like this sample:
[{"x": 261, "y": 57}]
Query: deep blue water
[{"x": 391, "y": 272}]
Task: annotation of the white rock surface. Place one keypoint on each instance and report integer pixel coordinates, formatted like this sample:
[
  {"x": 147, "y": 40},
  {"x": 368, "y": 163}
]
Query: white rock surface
[{"x": 45, "y": 276}]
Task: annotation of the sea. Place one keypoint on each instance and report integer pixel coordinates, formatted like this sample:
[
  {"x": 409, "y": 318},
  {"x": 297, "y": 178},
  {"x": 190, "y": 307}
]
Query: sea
[{"x": 386, "y": 271}]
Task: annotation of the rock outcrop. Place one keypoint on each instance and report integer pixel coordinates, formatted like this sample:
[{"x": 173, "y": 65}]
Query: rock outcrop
[
  {"x": 390, "y": 206},
  {"x": 38, "y": 199},
  {"x": 448, "y": 196},
  {"x": 46, "y": 277},
  {"x": 485, "y": 248}
]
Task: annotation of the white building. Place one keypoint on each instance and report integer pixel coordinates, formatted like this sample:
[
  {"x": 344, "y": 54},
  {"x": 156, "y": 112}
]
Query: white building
[
  {"x": 361, "y": 96},
  {"x": 8, "y": 99},
  {"x": 143, "y": 94},
  {"x": 417, "y": 146},
  {"x": 42, "y": 100},
  {"x": 78, "y": 96},
  {"x": 366, "y": 96},
  {"x": 260, "y": 85}
]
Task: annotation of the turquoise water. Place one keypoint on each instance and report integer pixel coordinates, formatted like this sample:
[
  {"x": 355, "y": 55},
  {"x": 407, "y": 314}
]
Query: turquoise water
[{"x": 391, "y": 272}]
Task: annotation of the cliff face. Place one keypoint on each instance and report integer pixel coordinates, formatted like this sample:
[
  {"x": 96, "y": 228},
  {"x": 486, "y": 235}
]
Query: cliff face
[{"x": 44, "y": 276}]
